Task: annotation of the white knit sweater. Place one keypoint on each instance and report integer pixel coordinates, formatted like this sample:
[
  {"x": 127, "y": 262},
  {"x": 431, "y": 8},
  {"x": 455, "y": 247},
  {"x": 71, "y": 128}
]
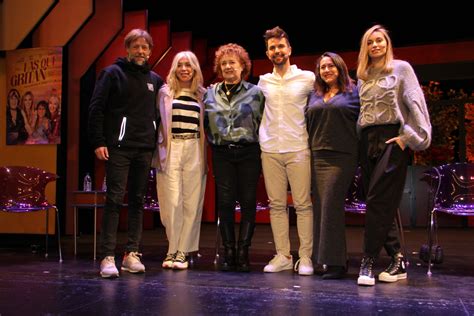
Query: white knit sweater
[{"x": 396, "y": 98}]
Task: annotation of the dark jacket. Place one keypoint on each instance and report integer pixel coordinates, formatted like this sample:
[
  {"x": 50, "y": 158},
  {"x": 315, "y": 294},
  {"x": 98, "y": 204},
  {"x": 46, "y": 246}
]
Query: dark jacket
[
  {"x": 122, "y": 111},
  {"x": 16, "y": 131}
]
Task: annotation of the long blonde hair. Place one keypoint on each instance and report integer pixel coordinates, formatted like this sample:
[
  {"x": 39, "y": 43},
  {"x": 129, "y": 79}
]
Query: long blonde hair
[
  {"x": 364, "y": 63},
  {"x": 197, "y": 81}
]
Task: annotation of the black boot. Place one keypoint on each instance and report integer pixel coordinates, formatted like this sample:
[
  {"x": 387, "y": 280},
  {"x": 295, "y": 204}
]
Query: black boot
[
  {"x": 334, "y": 272},
  {"x": 245, "y": 238},
  {"x": 228, "y": 240}
]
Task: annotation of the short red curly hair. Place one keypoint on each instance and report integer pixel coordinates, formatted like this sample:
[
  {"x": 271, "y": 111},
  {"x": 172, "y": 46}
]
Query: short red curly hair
[{"x": 233, "y": 49}]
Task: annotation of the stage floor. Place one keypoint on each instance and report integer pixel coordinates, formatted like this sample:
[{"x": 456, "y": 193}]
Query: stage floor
[{"x": 33, "y": 285}]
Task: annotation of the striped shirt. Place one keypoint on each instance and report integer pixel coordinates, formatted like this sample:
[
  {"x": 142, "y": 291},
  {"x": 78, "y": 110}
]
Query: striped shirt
[{"x": 185, "y": 115}]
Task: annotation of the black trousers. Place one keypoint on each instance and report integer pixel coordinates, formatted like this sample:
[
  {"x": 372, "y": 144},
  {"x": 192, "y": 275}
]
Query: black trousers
[
  {"x": 384, "y": 169},
  {"x": 236, "y": 172},
  {"x": 130, "y": 165},
  {"x": 332, "y": 174}
]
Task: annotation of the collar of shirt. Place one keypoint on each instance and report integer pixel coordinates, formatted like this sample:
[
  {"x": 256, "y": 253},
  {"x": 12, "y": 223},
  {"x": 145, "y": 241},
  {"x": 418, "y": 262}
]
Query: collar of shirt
[
  {"x": 293, "y": 69},
  {"x": 283, "y": 126}
]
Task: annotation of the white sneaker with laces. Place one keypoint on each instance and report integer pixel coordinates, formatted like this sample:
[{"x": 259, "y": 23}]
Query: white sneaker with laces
[
  {"x": 108, "y": 268},
  {"x": 168, "y": 262},
  {"x": 304, "y": 266},
  {"x": 180, "y": 262},
  {"x": 131, "y": 262},
  {"x": 279, "y": 263}
]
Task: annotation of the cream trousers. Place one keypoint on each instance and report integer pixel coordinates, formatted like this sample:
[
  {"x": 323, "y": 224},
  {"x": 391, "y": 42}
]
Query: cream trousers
[
  {"x": 181, "y": 195},
  {"x": 294, "y": 168}
]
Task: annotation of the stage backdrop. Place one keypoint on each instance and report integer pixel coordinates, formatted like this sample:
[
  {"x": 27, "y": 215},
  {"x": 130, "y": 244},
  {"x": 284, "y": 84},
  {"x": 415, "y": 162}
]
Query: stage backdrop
[{"x": 33, "y": 102}]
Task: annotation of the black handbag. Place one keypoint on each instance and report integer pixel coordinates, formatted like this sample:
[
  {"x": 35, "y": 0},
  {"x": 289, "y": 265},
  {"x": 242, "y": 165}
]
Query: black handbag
[{"x": 437, "y": 254}]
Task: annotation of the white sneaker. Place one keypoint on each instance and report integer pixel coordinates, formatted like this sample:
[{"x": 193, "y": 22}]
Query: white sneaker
[
  {"x": 180, "y": 262},
  {"x": 108, "y": 268},
  {"x": 304, "y": 266},
  {"x": 131, "y": 262},
  {"x": 168, "y": 262},
  {"x": 279, "y": 263}
]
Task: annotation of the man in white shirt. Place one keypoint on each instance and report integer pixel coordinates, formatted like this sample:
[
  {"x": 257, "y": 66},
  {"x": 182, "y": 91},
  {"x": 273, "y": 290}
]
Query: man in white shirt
[{"x": 285, "y": 152}]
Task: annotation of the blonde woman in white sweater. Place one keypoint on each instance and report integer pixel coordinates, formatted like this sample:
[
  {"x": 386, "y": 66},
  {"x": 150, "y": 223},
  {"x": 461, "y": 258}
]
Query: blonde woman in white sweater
[{"x": 393, "y": 116}]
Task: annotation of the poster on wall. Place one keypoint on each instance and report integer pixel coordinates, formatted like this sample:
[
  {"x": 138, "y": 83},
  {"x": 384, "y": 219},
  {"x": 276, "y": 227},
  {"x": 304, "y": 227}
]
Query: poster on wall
[{"x": 33, "y": 102}]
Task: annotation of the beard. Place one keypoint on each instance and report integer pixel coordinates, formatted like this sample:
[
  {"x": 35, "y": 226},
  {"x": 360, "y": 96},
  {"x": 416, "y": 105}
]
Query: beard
[
  {"x": 138, "y": 60},
  {"x": 280, "y": 59}
]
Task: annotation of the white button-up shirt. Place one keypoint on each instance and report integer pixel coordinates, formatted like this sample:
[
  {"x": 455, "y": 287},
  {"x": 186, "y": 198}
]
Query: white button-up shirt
[{"x": 283, "y": 127}]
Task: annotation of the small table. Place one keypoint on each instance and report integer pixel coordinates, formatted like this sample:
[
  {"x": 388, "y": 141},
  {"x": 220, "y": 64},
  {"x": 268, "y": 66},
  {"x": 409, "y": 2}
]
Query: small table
[{"x": 87, "y": 199}]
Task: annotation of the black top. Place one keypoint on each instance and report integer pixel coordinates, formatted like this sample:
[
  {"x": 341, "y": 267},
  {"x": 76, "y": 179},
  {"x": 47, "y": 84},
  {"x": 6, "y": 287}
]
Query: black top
[
  {"x": 123, "y": 111},
  {"x": 332, "y": 125},
  {"x": 16, "y": 131}
]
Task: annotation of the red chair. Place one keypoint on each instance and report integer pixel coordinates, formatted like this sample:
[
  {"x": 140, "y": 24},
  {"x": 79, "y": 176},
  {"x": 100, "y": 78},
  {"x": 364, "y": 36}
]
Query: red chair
[
  {"x": 23, "y": 190},
  {"x": 452, "y": 188}
]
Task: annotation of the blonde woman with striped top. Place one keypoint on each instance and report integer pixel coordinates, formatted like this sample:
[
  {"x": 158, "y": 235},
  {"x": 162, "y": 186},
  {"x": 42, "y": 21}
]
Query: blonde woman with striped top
[{"x": 180, "y": 159}]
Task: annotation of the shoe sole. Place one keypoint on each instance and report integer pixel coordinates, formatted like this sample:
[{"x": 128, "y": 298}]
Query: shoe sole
[
  {"x": 109, "y": 276},
  {"x": 385, "y": 277},
  {"x": 331, "y": 276},
  {"x": 132, "y": 271},
  {"x": 180, "y": 265},
  {"x": 279, "y": 270},
  {"x": 306, "y": 273},
  {"x": 363, "y": 280}
]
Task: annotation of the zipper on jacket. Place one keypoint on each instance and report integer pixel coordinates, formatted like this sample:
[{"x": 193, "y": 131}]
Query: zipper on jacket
[
  {"x": 122, "y": 128},
  {"x": 154, "y": 125}
]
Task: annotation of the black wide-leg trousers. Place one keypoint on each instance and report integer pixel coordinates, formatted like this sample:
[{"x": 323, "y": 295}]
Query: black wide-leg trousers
[{"x": 384, "y": 168}]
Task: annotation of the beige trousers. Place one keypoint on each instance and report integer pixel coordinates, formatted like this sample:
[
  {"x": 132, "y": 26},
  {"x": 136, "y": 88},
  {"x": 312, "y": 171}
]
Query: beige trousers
[
  {"x": 294, "y": 168},
  {"x": 181, "y": 195}
]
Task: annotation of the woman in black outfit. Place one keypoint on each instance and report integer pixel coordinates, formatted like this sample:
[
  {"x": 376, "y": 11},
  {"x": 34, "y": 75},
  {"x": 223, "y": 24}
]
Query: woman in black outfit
[{"x": 331, "y": 118}]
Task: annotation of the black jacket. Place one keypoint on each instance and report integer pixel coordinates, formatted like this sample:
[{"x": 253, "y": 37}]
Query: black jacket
[{"x": 122, "y": 111}]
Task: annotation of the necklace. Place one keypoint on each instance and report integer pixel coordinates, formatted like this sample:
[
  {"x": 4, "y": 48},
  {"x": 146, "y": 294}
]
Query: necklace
[
  {"x": 330, "y": 94},
  {"x": 227, "y": 90}
]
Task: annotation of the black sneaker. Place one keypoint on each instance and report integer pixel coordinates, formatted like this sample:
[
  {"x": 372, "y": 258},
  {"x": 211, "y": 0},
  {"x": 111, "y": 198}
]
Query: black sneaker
[
  {"x": 395, "y": 271},
  {"x": 366, "y": 273}
]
